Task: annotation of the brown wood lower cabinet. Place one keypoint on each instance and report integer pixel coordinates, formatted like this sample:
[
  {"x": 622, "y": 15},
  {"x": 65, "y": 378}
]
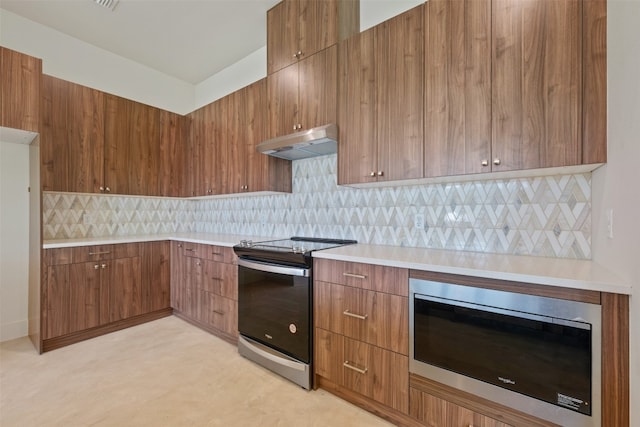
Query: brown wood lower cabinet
[
  {"x": 371, "y": 371},
  {"x": 91, "y": 290},
  {"x": 204, "y": 287},
  {"x": 436, "y": 412}
]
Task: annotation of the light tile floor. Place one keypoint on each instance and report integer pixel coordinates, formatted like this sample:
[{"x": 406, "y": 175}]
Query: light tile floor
[{"x": 162, "y": 373}]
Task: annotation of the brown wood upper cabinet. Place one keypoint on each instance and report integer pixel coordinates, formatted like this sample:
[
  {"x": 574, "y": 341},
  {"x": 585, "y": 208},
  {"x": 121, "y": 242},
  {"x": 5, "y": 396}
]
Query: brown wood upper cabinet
[
  {"x": 381, "y": 114},
  {"x": 223, "y": 158},
  {"x": 296, "y": 29},
  {"x": 506, "y": 85},
  {"x": 20, "y": 90},
  {"x": 72, "y": 137},
  {"x": 303, "y": 95},
  {"x": 92, "y": 142},
  {"x": 132, "y": 152}
]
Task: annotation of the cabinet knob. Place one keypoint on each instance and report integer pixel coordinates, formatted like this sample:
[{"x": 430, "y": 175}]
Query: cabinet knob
[
  {"x": 294, "y": 127},
  {"x": 104, "y": 266},
  {"x": 95, "y": 267},
  {"x": 496, "y": 162},
  {"x": 107, "y": 189},
  {"x": 485, "y": 163},
  {"x": 380, "y": 173},
  {"x": 101, "y": 188},
  {"x": 298, "y": 54},
  {"x": 372, "y": 173}
]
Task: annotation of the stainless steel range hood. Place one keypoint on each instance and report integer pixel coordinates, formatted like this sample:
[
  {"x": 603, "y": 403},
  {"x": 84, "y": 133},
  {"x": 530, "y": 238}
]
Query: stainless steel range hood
[{"x": 301, "y": 145}]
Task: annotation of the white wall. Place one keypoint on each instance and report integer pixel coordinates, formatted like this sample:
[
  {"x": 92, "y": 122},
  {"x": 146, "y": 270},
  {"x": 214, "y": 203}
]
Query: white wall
[
  {"x": 14, "y": 239},
  {"x": 372, "y": 12},
  {"x": 615, "y": 185},
  {"x": 71, "y": 59}
]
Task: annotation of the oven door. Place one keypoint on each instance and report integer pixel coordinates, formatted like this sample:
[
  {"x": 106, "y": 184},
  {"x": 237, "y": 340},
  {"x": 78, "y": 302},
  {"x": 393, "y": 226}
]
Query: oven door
[{"x": 274, "y": 306}]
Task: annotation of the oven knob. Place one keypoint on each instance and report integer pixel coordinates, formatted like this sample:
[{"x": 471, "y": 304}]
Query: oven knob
[{"x": 292, "y": 328}]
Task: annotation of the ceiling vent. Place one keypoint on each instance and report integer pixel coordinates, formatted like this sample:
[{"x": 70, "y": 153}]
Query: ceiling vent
[{"x": 109, "y": 4}]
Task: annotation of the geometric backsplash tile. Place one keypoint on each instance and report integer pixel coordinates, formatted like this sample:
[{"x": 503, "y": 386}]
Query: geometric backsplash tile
[{"x": 544, "y": 216}]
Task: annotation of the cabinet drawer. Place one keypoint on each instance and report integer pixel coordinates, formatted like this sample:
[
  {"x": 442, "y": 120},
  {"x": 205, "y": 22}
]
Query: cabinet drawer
[
  {"x": 196, "y": 250},
  {"x": 105, "y": 252},
  {"x": 219, "y": 312},
  {"x": 433, "y": 411},
  {"x": 379, "y": 278},
  {"x": 221, "y": 254},
  {"x": 373, "y": 317},
  {"x": 221, "y": 279}
]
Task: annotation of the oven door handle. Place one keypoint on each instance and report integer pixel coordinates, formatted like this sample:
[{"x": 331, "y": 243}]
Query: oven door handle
[{"x": 274, "y": 268}]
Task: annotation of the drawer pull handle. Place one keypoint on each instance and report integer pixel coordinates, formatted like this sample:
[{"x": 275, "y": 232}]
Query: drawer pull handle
[
  {"x": 357, "y": 316},
  {"x": 190, "y": 250},
  {"x": 217, "y": 279},
  {"x": 348, "y": 365},
  {"x": 357, "y": 276},
  {"x": 216, "y": 253},
  {"x": 100, "y": 253},
  {"x": 218, "y": 312}
]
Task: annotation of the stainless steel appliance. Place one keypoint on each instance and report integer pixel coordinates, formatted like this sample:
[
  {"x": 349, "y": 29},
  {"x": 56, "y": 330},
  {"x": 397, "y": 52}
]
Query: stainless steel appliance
[
  {"x": 275, "y": 303},
  {"x": 535, "y": 354}
]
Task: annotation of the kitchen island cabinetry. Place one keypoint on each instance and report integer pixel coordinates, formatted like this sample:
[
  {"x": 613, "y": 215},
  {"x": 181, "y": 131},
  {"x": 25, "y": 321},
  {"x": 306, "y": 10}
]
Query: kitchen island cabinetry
[
  {"x": 91, "y": 290},
  {"x": 204, "y": 287},
  {"x": 381, "y": 114},
  {"x": 20, "y": 90},
  {"x": 303, "y": 95},
  {"x": 361, "y": 330},
  {"x": 297, "y": 29}
]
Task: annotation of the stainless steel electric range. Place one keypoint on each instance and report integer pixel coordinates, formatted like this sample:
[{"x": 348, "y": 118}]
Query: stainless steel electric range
[{"x": 275, "y": 304}]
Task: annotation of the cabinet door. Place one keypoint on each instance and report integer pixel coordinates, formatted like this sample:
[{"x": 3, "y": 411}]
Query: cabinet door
[
  {"x": 357, "y": 149},
  {"x": 123, "y": 277},
  {"x": 178, "y": 276},
  {"x": 132, "y": 152},
  {"x": 156, "y": 276},
  {"x": 318, "y": 89},
  {"x": 233, "y": 146},
  {"x": 282, "y": 35},
  {"x": 195, "y": 185},
  {"x": 75, "y": 299},
  {"x": 435, "y": 412},
  {"x": 318, "y": 25},
  {"x": 282, "y": 93},
  {"x": 20, "y": 90},
  {"x": 458, "y": 87},
  {"x": 72, "y": 137},
  {"x": 174, "y": 134},
  {"x": 194, "y": 279},
  {"x": 537, "y": 75},
  {"x": 399, "y": 50}
]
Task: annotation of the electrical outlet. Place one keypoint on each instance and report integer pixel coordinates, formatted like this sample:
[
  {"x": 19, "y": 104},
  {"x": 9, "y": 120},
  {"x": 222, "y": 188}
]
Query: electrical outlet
[
  {"x": 610, "y": 223},
  {"x": 418, "y": 222}
]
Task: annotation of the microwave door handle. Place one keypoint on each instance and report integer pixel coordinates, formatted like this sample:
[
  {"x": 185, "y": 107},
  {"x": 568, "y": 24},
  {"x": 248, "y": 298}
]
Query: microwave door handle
[{"x": 274, "y": 268}]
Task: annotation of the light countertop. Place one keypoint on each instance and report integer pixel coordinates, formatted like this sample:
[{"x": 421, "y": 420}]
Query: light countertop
[{"x": 568, "y": 273}]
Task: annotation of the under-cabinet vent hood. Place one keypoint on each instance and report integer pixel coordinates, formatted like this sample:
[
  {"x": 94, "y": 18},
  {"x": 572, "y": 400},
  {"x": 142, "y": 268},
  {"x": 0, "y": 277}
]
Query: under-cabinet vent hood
[{"x": 302, "y": 145}]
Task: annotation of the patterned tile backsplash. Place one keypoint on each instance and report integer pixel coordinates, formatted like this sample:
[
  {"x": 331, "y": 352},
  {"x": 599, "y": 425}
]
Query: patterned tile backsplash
[{"x": 544, "y": 216}]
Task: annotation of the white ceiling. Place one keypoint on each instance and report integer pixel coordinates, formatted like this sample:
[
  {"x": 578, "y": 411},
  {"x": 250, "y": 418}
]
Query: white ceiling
[{"x": 187, "y": 39}]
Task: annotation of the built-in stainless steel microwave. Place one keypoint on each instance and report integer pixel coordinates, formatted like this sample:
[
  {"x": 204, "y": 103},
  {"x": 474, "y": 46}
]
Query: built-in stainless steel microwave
[{"x": 535, "y": 354}]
